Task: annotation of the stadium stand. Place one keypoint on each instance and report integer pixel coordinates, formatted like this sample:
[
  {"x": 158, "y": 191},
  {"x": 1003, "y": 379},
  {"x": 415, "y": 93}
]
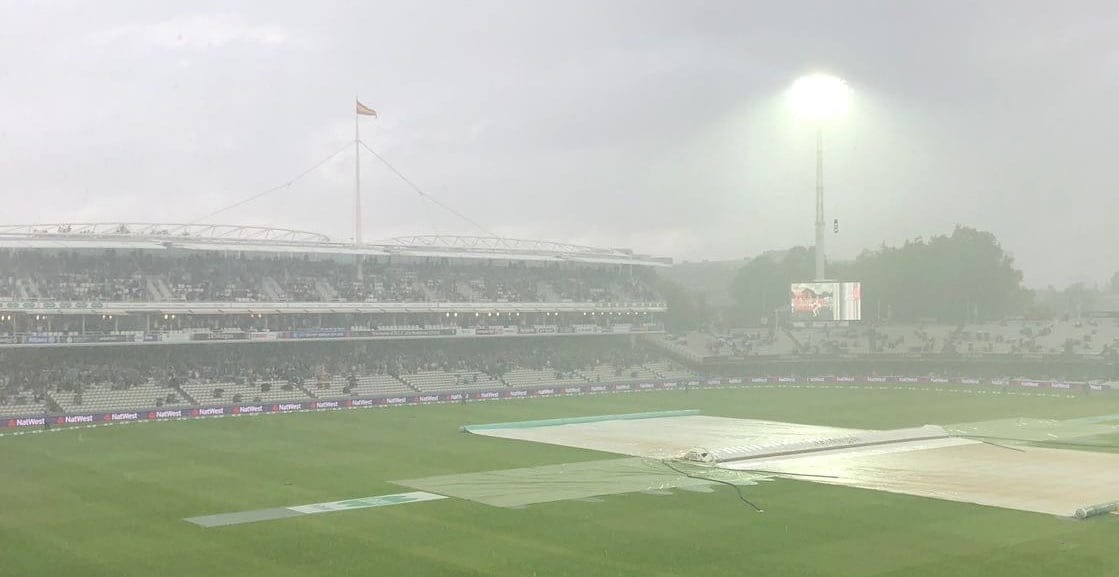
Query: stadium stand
[
  {"x": 450, "y": 382},
  {"x": 21, "y": 408},
  {"x": 670, "y": 370},
  {"x": 696, "y": 345},
  {"x": 167, "y": 284},
  {"x": 108, "y": 276},
  {"x": 1065, "y": 337},
  {"x": 92, "y": 379},
  {"x": 343, "y": 387},
  {"x": 231, "y": 392},
  {"x": 523, "y": 377},
  {"x": 104, "y": 399},
  {"x": 1088, "y": 338},
  {"x": 275, "y": 316},
  {"x": 611, "y": 373}
]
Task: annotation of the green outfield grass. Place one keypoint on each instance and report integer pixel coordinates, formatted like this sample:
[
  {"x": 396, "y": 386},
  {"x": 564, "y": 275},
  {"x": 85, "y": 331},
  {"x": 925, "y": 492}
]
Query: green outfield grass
[{"x": 110, "y": 501}]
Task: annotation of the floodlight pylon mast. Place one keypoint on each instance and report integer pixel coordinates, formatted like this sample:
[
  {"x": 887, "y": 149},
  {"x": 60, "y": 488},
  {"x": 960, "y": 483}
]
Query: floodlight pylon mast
[{"x": 820, "y": 262}]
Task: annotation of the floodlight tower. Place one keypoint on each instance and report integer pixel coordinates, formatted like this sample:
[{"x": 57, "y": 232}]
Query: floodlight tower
[{"x": 819, "y": 98}]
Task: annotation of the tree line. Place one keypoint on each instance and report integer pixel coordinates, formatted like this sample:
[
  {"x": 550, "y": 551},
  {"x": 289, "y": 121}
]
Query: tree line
[{"x": 965, "y": 276}]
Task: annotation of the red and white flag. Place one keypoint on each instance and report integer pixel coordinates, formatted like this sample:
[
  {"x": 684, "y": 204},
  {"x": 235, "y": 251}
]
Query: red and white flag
[{"x": 364, "y": 110}]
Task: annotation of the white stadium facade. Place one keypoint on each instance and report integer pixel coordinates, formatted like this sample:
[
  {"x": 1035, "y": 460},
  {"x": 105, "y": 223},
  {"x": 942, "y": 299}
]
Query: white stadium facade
[
  {"x": 24, "y": 297},
  {"x": 135, "y": 321}
]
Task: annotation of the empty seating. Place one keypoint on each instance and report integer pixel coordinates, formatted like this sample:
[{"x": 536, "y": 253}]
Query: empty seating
[
  {"x": 608, "y": 373},
  {"x": 669, "y": 370},
  {"x": 22, "y": 409},
  {"x": 445, "y": 382},
  {"x": 540, "y": 378},
  {"x": 363, "y": 386},
  {"x": 208, "y": 393},
  {"x": 97, "y": 399}
]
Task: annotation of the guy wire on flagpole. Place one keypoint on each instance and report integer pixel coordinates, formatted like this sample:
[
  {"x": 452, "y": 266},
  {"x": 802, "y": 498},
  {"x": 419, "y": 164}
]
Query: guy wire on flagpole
[
  {"x": 265, "y": 192},
  {"x": 423, "y": 194},
  {"x": 358, "y": 145}
]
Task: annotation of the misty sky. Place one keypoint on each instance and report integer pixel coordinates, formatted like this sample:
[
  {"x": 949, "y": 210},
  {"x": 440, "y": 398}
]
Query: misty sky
[{"x": 657, "y": 126}]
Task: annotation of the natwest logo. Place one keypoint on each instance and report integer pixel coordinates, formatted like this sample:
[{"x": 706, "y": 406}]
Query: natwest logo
[
  {"x": 429, "y": 398},
  {"x": 293, "y": 406},
  {"x": 546, "y": 392},
  {"x": 248, "y": 409},
  {"x": 518, "y": 393},
  {"x": 27, "y": 422},
  {"x": 208, "y": 412},
  {"x": 572, "y": 390},
  {"x": 325, "y": 405},
  {"x": 396, "y": 400},
  {"x": 74, "y": 419},
  {"x": 169, "y": 414},
  {"x": 361, "y": 403},
  {"x": 489, "y": 395},
  {"x": 122, "y": 416}
]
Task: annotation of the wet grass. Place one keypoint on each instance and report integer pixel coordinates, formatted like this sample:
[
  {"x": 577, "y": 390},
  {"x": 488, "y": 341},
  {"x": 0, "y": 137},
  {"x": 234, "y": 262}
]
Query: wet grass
[{"x": 110, "y": 501}]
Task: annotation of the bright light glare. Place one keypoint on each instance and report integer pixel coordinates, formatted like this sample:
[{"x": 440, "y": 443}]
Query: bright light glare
[{"x": 819, "y": 97}]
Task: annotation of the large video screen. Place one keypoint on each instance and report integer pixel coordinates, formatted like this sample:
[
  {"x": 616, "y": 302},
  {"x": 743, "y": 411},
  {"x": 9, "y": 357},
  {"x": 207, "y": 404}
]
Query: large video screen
[{"x": 826, "y": 301}]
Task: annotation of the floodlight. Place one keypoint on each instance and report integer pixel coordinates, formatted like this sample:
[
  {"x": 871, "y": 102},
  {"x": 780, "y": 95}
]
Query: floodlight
[{"x": 819, "y": 97}]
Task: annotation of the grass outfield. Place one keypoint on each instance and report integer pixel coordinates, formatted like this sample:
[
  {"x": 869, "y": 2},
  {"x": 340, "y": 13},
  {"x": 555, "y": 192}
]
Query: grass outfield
[{"x": 110, "y": 501}]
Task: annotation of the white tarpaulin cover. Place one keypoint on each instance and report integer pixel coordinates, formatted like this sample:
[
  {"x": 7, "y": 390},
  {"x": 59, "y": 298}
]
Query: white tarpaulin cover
[{"x": 922, "y": 461}]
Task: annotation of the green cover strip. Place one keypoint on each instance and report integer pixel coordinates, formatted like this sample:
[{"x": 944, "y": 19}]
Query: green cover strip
[{"x": 573, "y": 420}]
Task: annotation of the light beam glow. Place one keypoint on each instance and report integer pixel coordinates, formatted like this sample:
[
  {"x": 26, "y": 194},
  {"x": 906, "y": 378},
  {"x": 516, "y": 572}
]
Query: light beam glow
[{"x": 819, "y": 97}]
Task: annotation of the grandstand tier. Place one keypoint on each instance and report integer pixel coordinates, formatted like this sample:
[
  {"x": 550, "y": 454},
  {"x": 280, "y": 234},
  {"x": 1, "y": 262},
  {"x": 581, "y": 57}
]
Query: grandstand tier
[
  {"x": 342, "y": 387},
  {"x": 271, "y": 391},
  {"x": 101, "y": 399},
  {"x": 524, "y": 377},
  {"x": 132, "y": 262},
  {"x": 451, "y": 381},
  {"x": 91, "y": 284},
  {"x": 1098, "y": 338},
  {"x": 106, "y": 379},
  {"x": 255, "y": 315}
]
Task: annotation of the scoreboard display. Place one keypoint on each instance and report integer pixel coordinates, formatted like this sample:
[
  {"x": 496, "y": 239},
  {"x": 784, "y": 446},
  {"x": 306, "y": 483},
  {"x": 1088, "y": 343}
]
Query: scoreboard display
[{"x": 825, "y": 301}]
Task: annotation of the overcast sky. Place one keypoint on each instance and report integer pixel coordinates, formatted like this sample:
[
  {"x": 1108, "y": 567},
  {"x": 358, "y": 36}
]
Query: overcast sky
[{"x": 657, "y": 126}]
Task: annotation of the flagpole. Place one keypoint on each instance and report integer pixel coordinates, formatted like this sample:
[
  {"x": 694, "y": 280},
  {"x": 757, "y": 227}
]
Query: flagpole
[
  {"x": 357, "y": 194},
  {"x": 357, "y": 177}
]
